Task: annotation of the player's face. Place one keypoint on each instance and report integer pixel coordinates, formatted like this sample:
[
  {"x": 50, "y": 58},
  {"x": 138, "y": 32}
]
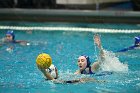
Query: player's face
[
  {"x": 82, "y": 62},
  {"x": 9, "y": 37}
]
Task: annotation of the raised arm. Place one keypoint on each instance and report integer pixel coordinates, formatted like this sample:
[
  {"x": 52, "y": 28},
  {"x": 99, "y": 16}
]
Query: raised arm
[
  {"x": 97, "y": 41},
  {"x": 22, "y": 42}
]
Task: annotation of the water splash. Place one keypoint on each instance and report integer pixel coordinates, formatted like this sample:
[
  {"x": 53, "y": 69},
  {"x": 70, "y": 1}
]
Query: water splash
[
  {"x": 112, "y": 63},
  {"x": 69, "y": 75}
]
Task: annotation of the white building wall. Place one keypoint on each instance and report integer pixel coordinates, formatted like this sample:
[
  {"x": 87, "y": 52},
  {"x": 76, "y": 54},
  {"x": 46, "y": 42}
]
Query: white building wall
[{"x": 86, "y": 1}]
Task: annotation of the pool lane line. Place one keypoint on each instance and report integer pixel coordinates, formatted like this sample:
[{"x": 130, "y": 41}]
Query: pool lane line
[{"x": 80, "y": 29}]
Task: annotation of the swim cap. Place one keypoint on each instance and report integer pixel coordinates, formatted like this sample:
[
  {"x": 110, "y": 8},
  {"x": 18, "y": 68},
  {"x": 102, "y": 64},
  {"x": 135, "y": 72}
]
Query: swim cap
[
  {"x": 137, "y": 40},
  {"x": 88, "y": 61},
  {"x": 11, "y": 32}
]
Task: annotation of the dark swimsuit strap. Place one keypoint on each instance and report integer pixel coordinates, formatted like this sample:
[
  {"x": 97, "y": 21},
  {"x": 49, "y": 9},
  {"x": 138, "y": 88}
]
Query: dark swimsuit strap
[{"x": 90, "y": 71}]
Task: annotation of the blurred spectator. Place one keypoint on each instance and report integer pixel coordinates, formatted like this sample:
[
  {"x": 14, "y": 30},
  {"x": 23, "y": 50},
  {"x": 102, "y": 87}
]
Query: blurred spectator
[
  {"x": 136, "y": 5},
  {"x": 24, "y": 3},
  {"x": 44, "y": 3},
  {"x": 7, "y": 4},
  {"x": 36, "y": 3}
]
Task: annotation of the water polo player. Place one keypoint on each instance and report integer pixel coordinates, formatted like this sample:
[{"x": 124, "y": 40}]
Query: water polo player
[
  {"x": 84, "y": 63},
  {"x": 85, "y": 66},
  {"x": 10, "y": 38},
  {"x": 44, "y": 64},
  {"x": 135, "y": 46}
]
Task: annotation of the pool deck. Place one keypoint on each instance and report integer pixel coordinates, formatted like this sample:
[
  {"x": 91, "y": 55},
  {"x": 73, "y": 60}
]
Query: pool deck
[{"x": 86, "y": 16}]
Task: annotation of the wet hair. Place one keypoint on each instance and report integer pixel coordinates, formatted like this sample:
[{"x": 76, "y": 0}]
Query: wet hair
[
  {"x": 137, "y": 40},
  {"x": 88, "y": 60},
  {"x": 11, "y": 32}
]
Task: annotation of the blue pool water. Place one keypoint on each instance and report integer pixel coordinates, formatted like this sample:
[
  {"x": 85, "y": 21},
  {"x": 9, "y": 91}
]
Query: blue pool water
[{"x": 19, "y": 74}]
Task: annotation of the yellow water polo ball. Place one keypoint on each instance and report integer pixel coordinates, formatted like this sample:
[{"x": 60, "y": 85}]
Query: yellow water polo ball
[{"x": 44, "y": 60}]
